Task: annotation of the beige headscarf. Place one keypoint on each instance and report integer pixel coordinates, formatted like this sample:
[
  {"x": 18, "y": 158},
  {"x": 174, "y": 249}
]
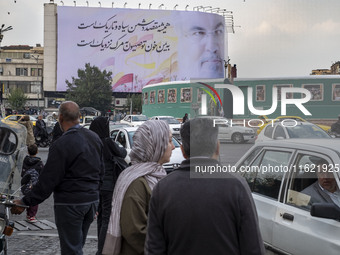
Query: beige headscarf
[{"x": 149, "y": 144}]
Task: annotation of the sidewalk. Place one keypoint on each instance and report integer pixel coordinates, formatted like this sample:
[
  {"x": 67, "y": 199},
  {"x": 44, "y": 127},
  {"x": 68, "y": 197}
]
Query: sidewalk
[{"x": 44, "y": 242}]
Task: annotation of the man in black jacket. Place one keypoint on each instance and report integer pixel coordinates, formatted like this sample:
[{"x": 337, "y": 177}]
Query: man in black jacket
[
  {"x": 73, "y": 172},
  {"x": 194, "y": 214}
]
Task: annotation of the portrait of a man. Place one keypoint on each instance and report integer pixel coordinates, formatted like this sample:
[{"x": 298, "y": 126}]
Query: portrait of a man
[
  {"x": 161, "y": 93},
  {"x": 186, "y": 95},
  {"x": 172, "y": 95},
  {"x": 152, "y": 96},
  {"x": 200, "y": 45}
]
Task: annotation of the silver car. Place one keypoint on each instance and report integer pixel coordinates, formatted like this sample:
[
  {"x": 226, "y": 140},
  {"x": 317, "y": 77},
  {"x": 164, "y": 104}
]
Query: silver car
[{"x": 279, "y": 173}]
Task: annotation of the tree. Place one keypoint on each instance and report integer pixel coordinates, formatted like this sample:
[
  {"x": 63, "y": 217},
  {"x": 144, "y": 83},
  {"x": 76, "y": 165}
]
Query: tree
[
  {"x": 92, "y": 88},
  {"x": 17, "y": 99},
  {"x": 136, "y": 100}
]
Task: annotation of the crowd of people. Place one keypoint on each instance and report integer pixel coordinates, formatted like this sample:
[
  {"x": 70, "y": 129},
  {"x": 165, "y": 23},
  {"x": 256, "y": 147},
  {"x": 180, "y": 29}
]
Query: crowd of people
[{"x": 139, "y": 208}]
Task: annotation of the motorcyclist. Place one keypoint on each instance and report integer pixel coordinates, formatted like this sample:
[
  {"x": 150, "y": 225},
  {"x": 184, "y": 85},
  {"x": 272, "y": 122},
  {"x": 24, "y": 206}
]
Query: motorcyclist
[
  {"x": 40, "y": 129},
  {"x": 335, "y": 128}
]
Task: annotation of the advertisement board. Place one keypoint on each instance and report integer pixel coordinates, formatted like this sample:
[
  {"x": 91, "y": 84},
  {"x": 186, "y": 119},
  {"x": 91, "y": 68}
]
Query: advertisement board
[{"x": 138, "y": 46}]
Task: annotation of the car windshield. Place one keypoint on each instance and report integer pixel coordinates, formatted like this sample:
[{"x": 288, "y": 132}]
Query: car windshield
[
  {"x": 170, "y": 120},
  {"x": 131, "y": 133},
  {"x": 306, "y": 131},
  {"x": 139, "y": 118}
]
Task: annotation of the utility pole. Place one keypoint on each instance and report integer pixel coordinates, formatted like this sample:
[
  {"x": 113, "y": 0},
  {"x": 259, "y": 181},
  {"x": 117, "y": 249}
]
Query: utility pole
[{"x": 38, "y": 84}]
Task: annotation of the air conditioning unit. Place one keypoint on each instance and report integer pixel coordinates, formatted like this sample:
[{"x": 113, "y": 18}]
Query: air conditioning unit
[{"x": 27, "y": 55}]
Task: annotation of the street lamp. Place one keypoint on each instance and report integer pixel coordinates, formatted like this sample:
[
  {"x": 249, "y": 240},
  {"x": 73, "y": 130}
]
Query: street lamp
[
  {"x": 38, "y": 84},
  {"x": 160, "y": 7},
  {"x": 150, "y": 6},
  {"x": 175, "y": 6},
  {"x": 186, "y": 7},
  {"x": 125, "y": 4}
]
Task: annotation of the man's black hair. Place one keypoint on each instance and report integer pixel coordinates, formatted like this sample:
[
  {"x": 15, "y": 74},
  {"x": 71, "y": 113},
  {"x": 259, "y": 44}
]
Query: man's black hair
[{"x": 199, "y": 137}]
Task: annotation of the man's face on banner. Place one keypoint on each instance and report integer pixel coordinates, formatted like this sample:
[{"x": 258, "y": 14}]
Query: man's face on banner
[{"x": 201, "y": 47}]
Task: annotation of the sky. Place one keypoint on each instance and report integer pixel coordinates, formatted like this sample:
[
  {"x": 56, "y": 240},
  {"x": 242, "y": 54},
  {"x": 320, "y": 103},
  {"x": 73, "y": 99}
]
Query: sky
[{"x": 273, "y": 38}]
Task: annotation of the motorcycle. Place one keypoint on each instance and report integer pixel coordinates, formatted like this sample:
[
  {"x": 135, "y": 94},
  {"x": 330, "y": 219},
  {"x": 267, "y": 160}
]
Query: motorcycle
[
  {"x": 44, "y": 140},
  {"x": 12, "y": 153}
]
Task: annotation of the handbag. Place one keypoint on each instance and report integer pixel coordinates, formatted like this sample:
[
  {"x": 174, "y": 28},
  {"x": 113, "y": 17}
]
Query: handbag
[{"x": 118, "y": 166}]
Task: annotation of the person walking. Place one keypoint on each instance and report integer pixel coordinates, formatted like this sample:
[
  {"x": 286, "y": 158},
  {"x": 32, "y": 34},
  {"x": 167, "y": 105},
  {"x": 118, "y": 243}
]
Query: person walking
[
  {"x": 25, "y": 120},
  {"x": 73, "y": 172},
  {"x": 152, "y": 147},
  {"x": 113, "y": 154},
  {"x": 194, "y": 214},
  {"x": 185, "y": 118},
  {"x": 31, "y": 169}
]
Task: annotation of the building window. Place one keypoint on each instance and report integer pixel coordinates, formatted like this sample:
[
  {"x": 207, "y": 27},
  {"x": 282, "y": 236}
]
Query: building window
[
  {"x": 145, "y": 101},
  {"x": 186, "y": 95},
  {"x": 21, "y": 72},
  {"x": 336, "y": 92},
  {"x": 316, "y": 91},
  {"x": 260, "y": 93},
  {"x": 152, "y": 96},
  {"x": 172, "y": 95},
  {"x": 25, "y": 86},
  {"x": 36, "y": 72},
  {"x": 279, "y": 87},
  {"x": 161, "y": 96}
]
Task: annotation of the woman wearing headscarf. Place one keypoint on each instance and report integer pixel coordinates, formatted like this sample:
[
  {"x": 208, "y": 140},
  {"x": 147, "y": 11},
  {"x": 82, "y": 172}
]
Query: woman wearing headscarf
[
  {"x": 152, "y": 147},
  {"x": 25, "y": 120},
  {"x": 100, "y": 125}
]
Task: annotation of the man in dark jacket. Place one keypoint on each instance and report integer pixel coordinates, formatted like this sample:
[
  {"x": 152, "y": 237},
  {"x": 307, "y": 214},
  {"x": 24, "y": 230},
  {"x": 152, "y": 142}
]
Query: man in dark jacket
[
  {"x": 73, "y": 172},
  {"x": 195, "y": 214}
]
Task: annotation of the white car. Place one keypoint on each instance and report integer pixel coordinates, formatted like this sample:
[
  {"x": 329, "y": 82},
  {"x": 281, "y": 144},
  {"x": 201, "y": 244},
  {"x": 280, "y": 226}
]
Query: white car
[
  {"x": 174, "y": 124},
  {"x": 228, "y": 132},
  {"x": 123, "y": 136},
  {"x": 86, "y": 120},
  {"x": 134, "y": 120},
  {"x": 288, "y": 130},
  {"x": 278, "y": 172}
]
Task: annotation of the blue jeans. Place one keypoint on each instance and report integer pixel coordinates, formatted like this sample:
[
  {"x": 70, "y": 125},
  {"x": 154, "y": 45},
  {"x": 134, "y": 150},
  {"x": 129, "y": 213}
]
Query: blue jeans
[{"x": 73, "y": 223}]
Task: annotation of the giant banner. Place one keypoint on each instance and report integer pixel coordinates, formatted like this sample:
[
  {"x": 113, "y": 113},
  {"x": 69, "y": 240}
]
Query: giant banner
[{"x": 140, "y": 47}]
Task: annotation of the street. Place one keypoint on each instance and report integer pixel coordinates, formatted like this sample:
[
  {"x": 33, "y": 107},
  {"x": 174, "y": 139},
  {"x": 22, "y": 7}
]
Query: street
[{"x": 47, "y": 242}]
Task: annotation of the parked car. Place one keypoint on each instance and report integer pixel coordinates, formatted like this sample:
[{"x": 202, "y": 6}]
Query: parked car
[
  {"x": 291, "y": 130},
  {"x": 134, "y": 120},
  {"x": 86, "y": 120},
  {"x": 115, "y": 125},
  {"x": 277, "y": 173},
  {"x": 174, "y": 124},
  {"x": 16, "y": 117},
  {"x": 123, "y": 136},
  {"x": 281, "y": 118},
  {"x": 228, "y": 132}
]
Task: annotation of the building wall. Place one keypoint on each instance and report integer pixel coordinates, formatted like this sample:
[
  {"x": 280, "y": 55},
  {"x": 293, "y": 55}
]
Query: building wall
[
  {"x": 50, "y": 47},
  {"x": 29, "y": 60}
]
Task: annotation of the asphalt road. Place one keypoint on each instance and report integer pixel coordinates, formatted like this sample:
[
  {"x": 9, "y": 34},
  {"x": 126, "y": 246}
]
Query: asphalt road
[{"x": 47, "y": 242}]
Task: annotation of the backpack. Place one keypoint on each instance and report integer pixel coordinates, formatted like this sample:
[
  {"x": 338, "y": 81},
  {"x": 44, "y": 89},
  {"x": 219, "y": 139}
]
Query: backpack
[{"x": 29, "y": 179}]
